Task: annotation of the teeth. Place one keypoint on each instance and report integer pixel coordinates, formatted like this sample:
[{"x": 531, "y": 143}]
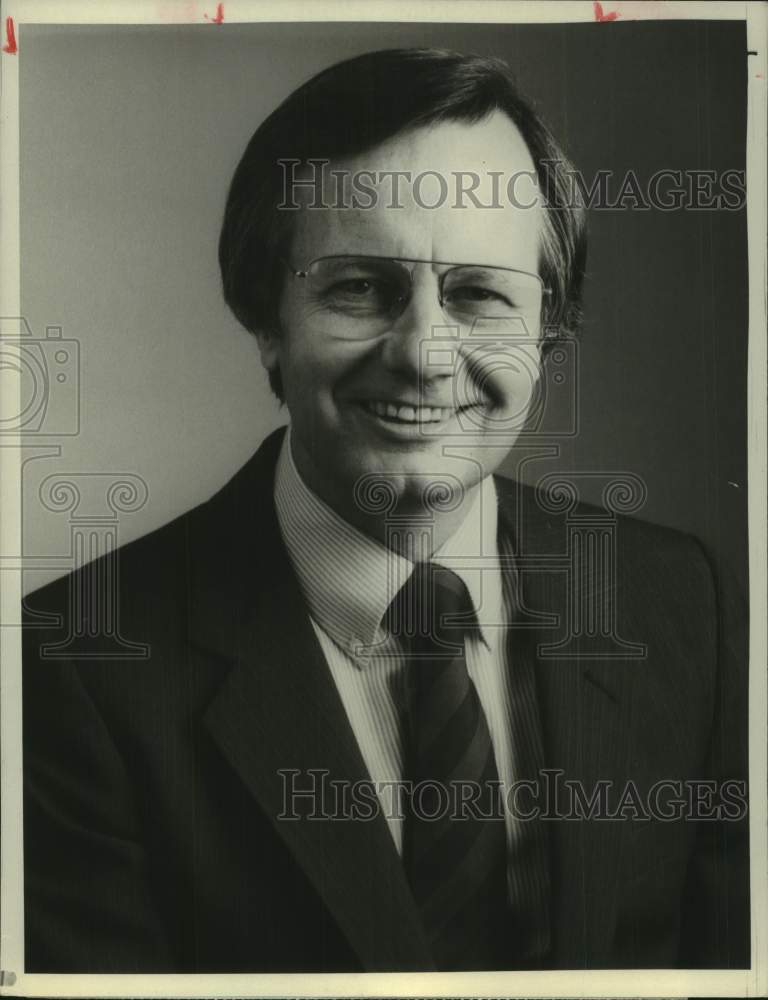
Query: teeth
[{"x": 410, "y": 414}]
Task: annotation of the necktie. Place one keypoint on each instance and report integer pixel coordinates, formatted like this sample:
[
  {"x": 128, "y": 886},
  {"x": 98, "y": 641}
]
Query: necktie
[{"x": 454, "y": 847}]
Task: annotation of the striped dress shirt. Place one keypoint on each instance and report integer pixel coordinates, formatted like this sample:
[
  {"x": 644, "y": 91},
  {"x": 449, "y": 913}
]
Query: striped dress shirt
[{"x": 348, "y": 580}]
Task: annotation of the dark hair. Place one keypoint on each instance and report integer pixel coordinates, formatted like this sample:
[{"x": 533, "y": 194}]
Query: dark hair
[{"x": 356, "y": 105}]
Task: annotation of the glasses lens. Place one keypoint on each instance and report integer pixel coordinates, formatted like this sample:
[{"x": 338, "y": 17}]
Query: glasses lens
[
  {"x": 365, "y": 295},
  {"x": 494, "y": 293},
  {"x": 362, "y": 289}
]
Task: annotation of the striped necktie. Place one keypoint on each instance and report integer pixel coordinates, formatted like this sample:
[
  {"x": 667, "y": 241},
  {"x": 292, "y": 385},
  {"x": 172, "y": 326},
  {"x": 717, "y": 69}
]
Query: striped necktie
[{"x": 454, "y": 848}]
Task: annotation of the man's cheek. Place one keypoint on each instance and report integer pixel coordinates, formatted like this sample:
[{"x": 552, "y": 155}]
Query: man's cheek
[{"x": 508, "y": 377}]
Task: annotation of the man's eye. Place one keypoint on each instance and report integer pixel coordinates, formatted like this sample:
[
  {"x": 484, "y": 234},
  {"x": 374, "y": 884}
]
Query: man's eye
[
  {"x": 474, "y": 293},
  {"x": 364, "y": 295},
  {"x": 354, "y": 287}
]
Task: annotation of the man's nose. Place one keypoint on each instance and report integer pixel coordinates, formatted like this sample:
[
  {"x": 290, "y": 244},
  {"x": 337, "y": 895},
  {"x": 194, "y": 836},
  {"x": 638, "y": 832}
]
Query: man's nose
[{"x": 412, "y": 344}]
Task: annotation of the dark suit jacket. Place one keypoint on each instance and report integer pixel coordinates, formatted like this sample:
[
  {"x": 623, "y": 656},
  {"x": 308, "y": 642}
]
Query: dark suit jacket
[{"x": 152, "y": 841}]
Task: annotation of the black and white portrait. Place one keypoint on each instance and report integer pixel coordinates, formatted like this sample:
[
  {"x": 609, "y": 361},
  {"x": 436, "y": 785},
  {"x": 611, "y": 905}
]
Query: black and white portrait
[{"x": 383, "y": 463}]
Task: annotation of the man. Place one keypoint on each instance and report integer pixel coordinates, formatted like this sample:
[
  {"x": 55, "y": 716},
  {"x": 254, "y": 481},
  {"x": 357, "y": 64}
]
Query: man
[{"x": 364, "y": 624}]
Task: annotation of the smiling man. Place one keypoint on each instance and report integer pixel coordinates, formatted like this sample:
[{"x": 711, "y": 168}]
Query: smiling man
[
  {"x": 370, "y": 732},
  {"x": 378, "y": 339}
]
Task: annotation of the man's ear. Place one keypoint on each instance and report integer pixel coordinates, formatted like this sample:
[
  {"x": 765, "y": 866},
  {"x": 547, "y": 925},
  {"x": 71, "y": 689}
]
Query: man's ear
[
  {"x": 268, "y": 341},
  {"x": 550, "y": 334}
]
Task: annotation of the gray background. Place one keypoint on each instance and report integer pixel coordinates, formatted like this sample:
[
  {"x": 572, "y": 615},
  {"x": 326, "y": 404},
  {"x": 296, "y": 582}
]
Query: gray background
[{"x": 129, "y": 137}]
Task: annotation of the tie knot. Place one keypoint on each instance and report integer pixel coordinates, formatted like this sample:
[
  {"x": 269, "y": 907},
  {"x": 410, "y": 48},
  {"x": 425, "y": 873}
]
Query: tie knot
[{"x": 432, "y": 608}]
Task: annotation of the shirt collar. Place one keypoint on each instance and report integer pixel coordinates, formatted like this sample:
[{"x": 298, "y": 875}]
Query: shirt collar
[{"x": 350, "y": 579}]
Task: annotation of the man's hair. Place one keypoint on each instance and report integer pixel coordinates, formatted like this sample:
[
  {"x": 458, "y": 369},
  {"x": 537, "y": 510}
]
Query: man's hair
[{"x": 349, "y": 109}]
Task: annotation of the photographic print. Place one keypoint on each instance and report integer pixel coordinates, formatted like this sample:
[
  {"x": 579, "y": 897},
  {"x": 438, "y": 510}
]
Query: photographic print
[{"x": 382, "y": 432}]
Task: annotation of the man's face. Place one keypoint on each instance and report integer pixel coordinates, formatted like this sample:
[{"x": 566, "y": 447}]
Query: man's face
[{"x": 416, "y": 392}]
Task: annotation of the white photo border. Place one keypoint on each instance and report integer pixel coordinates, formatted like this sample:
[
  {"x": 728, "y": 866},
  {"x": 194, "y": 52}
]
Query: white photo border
[{"x": 577, "y": 983}]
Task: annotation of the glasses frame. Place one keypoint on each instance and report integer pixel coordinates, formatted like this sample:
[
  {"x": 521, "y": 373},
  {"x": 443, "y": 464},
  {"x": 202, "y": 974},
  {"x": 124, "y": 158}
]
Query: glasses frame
[{"x": 304, "y": 272}]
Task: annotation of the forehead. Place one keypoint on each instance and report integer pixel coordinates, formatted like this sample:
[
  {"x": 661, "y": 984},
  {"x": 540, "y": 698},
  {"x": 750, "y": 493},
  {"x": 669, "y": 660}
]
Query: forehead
[{"x": 455, "y": 192}]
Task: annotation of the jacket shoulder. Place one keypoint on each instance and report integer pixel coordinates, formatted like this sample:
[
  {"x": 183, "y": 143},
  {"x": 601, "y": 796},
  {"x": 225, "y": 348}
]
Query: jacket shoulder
[
  {"x": 555, "y": 510},
  {"x": 165, "y": 557}
]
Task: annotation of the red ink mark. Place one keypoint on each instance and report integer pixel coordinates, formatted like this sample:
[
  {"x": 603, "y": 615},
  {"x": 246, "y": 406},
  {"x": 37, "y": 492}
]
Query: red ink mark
[
  {"x": 600, "y": 16},
  {"x": 219, "y": 18},
  {"x": 10, "y": 34}
]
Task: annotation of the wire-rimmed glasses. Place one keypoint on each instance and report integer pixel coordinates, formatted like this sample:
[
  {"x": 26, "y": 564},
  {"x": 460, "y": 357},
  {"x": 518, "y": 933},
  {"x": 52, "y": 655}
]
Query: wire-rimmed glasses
[{"x": 366, "y": 294}]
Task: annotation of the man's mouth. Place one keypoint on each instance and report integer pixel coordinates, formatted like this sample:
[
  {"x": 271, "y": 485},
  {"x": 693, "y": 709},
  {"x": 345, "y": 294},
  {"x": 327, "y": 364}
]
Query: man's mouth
[{"x": 403, "y": 413}]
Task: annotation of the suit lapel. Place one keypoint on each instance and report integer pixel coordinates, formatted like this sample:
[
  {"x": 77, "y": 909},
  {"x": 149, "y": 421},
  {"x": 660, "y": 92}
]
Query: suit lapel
[
  {"x": 278, "y": 711},
  {"x": 280, "y": 722},
  {"x": 584, "y": 709}
]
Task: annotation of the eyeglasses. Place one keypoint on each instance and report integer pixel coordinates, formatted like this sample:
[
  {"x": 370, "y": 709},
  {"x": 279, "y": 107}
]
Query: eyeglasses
[{"x": 366, "y": 294}]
